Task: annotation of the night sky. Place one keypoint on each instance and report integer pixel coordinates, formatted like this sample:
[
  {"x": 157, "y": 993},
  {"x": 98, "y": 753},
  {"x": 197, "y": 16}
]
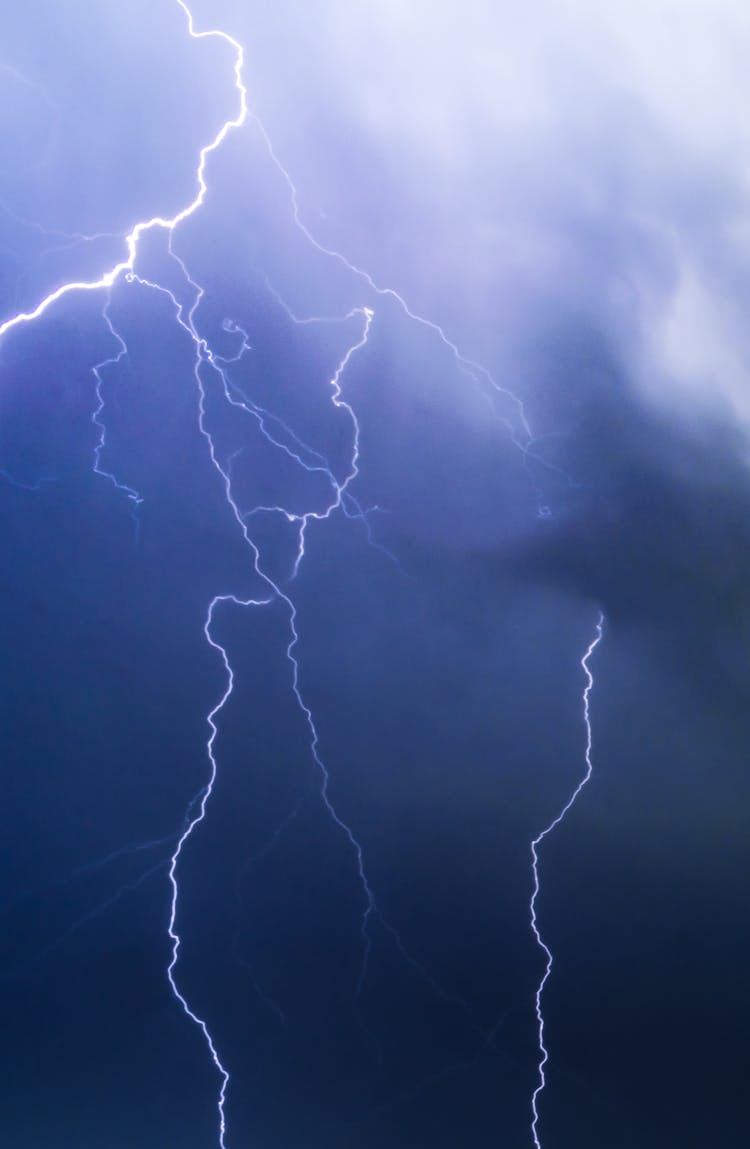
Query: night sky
[{"x": 327, "y": 487}]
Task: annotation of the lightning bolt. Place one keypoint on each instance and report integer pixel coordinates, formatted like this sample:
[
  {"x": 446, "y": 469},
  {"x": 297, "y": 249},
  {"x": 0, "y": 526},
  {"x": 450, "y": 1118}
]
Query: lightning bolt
[
  {"x": 208, "y": 365},
  {"x": 281, "y": 436},
  {"x": 536, "y": 843},
  {"x": 132, "y": 239},
  {"x": 193, "y": 821}
]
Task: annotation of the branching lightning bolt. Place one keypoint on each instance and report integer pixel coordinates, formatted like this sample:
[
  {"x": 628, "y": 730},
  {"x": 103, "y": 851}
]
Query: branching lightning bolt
[
  {"x": 544, "y": 1055},
  {"x": 208, "y": 364},
  {"x": 194, "y": 821},
  {"x": 206, "y": 359}
]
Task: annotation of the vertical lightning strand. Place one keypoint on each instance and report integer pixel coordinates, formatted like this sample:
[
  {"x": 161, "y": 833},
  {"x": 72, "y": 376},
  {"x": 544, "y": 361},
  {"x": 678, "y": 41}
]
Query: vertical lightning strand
[
  {"x": 194, "y": 821},
  {"x": 520, "y": 434},
  {"x": 544, "y": 1055},
  {"x": 199, "y": 812}
]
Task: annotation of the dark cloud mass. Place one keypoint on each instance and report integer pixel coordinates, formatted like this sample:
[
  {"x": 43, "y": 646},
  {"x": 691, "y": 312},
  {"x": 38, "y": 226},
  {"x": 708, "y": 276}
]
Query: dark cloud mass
[
  {"x": 654, "y": 526},
  {"x": 563, "y": 189}
]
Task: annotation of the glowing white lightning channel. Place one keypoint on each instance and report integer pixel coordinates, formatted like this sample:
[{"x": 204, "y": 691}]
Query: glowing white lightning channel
[
  {"x": 207, "y": 361},
  {"x": 142, "y": 227},
  {"x": 544, "y": 1055},
  {"x": 194, "y": 821}
]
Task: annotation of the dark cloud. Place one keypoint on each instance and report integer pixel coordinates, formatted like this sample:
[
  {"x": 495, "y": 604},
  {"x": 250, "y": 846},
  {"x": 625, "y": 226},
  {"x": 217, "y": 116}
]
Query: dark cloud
[{"x": 655, "y": 521}]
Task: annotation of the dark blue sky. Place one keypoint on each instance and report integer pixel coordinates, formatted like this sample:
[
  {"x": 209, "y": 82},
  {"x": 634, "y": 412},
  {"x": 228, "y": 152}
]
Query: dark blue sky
[{"x": 564, "y": 193}]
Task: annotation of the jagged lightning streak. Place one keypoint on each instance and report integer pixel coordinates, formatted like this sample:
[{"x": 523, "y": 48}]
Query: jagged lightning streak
[
  {"x": 518, "y": 428},
  {"x": 125, "y": 266},
  {"x": 194, "y": 821},
  {"x": 544, "y": 1055}
]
